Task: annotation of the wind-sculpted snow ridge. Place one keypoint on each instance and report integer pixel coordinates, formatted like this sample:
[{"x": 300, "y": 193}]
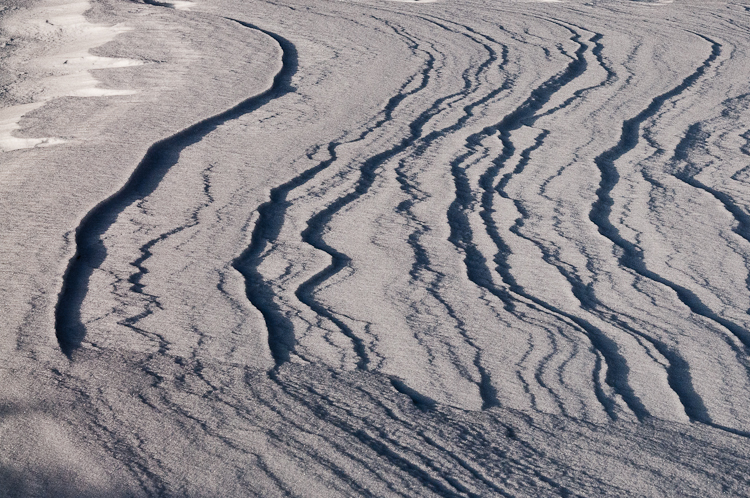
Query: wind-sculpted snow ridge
[
  {"x": 144, "y": 180},
  {"x": 477, "y": 270},
  {"x": 632, "y": 255},
  {"x": 441, "y": 249}
]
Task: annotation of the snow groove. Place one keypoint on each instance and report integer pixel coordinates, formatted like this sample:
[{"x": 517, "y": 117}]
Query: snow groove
[
  {"x": 694, "y": 138},
  {"x": 160, "y": 157},
  {"x": 260, "y": 294},
  {"x": 271, "y": 219},
  {"x": 316, "y": 225},
  {"x": 632, "y": 256},
  {"x": 152, "y": 301},
  {"x": 477, "y": 269},
  {"x": 313, "y": 235},
  {"x": 422, "y": 262}
]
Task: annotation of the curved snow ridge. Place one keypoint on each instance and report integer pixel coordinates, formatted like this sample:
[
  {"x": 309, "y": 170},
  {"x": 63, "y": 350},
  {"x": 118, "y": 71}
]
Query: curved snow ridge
[
  {"x": 317, "y": 224},
  {"x": 271, "y": 218},
  {"x": 617, "y": 363},
  {"x": 160, "y": 157},
  {"x": 632, "y": 256},
  {"x": 134, "y": 279},
  {"x": 478, "y": 270},
  {"x": 271, "y": 214},
  {"x": 423, "y": 266},
  {"x": 412, "y": 142}
]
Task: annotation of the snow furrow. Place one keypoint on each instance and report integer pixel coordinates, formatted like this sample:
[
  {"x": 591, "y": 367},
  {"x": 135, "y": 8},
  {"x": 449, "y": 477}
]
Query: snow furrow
[
  {"x": 272, "y": 218},
  {"x": 477, "y": 268},
  {"x": 161, "y": 156},
  {"x": 632, "y": 256},
  {"x": 316, "y": 225},
  {"x": 152, "y": 301},
  {"x": 422, "y": 262}
]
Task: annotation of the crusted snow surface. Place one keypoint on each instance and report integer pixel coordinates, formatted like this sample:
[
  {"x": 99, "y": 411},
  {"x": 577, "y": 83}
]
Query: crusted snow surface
[{"x": 375, "y": 248}]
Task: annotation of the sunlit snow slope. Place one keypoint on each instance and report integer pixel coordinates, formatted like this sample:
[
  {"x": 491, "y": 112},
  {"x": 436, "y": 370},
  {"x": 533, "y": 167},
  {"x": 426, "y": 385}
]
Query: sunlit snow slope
[{"x": 376, "y": 248}]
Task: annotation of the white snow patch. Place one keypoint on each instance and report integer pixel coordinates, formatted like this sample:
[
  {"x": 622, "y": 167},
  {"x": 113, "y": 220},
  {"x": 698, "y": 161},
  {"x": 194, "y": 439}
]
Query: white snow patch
[
  {"x": 9, "y": 118},
  {"x": 180, "y": 5},
  {"x": 66, "y": 64}
]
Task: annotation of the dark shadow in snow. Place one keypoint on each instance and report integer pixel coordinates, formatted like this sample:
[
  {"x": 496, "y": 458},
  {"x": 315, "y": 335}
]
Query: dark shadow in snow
[
  {"x": 271, "y": 218},
  {"x": 281, "y": 340},
  {"x": 421, "y": 401},
  {"x": 160, "y": 157},
  {"x": 159, "y": 4},
  {"x": 478, "y": 268},
  {"x": 632, "y": 255}
]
